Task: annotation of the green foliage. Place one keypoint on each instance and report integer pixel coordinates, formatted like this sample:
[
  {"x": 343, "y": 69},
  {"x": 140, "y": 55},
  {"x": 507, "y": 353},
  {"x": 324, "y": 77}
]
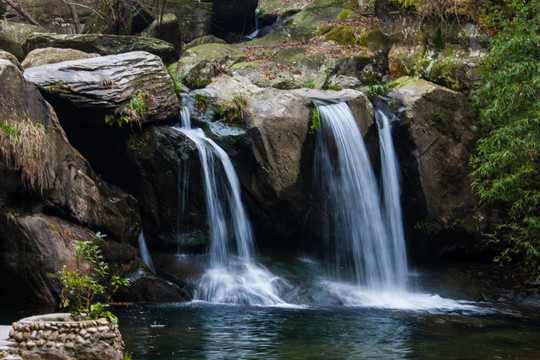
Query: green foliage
[
  {"x": 132, "y": 111},
  {"x": 506, "y": 163},
  {"x": 79, "y": 290},
  {"x": 235, "y": 112},
  {"x": 310, "y": 84},
  {"x": 378, "y": 89},
  {"x": 178, "y": 86},
  {"x": 315, "y": 122},
  {"x": 426, "y": 226}
]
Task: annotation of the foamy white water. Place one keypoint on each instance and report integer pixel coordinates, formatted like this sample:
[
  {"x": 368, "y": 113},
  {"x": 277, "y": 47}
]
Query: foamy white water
[
  {"x": 233, "y": 276},
  {"x": 354, "y": 224}
]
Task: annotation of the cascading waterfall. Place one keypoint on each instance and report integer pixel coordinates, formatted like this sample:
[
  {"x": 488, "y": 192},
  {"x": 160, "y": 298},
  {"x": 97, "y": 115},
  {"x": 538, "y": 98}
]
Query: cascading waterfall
[
  {"x": 354, "y": 220},
  {"x": 391, "y": 195},
  {"x": 233, "y": 276},
  {"x": 366, "y": 231}
]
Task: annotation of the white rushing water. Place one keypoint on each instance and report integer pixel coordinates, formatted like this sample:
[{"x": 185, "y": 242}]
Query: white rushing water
[
  {"x": 391, "y": 189},
  {"x": 145, "y": 254},
  {"x": 350, "y": 202},
  {"x": 365, "y": 228},
  {"x": 233, "y": 276}
]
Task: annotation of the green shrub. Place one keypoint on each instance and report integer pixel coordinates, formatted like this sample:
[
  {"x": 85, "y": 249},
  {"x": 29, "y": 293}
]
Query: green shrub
[
  {"x": 506, "y": 166},
  {"x": 79, "y": 291}
]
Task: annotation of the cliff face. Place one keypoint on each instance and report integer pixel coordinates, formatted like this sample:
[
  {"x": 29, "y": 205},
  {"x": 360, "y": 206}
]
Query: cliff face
[{"x": 251, "y": 97}]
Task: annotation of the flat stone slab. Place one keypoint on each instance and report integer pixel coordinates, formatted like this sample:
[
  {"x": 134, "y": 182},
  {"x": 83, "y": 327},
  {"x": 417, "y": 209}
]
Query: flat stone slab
[{"x": 4, "y": 335}]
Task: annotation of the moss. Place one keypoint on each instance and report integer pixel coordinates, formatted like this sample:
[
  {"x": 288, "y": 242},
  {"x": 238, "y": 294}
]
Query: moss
[
  {"x": 315, "y": 121},
  {"x": 290, "y": 13},
  {"x": 199, "y": 83},
  {"x": 344, "y": 35},
  {"x": 374, "y": 39}
]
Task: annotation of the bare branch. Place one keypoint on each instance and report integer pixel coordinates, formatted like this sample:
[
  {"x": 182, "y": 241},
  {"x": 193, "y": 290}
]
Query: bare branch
[{"x": 20, "y": 10}]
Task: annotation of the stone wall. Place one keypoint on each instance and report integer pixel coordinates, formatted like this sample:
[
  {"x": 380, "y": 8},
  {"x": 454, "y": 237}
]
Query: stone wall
[{"x": 57, "y": 336}]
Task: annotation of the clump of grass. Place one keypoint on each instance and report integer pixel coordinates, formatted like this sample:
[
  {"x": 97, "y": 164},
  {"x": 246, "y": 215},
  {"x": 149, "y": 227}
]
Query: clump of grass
[
  {"x": 132, "y": 111},
  {"x": 234, "y": 112},
  {"x": 23, "y": 145}
]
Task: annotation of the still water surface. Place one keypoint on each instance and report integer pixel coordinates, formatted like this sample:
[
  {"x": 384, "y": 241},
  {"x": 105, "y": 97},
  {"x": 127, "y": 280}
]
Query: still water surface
[{"x": 201, "y": 330}]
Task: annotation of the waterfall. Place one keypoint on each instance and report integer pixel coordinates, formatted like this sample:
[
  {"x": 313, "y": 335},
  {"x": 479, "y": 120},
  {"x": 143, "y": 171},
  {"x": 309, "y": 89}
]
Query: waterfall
[
  {"x": 233, "y": 276},
  {"x": 145, "y": 254},
  {"x": 354, "y": 222},
  {"x": 392, "y": 195}
]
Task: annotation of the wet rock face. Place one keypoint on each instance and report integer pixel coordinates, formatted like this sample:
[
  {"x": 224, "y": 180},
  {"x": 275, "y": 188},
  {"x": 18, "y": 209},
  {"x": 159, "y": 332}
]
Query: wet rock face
[
  {"x": 133, "y": 85},
  {"x": 275, "y": 164},
  {"x": 434, "y": 142},
  {"x": 162, "y": 167}
]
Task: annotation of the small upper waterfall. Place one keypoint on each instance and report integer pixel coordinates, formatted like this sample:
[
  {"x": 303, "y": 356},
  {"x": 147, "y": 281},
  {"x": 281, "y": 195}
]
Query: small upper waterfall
[
  {"x": 145, "y": 254},
  {"x": 353, "y": 219},
  {"x": 232, "y": 276}
]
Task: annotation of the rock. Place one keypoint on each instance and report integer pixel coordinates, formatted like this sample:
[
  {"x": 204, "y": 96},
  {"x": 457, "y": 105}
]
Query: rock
[
  {"x": 18, "y": 32},
  {"x": 59, "y": 181},
  {"x": 101, "y": 89},
  {"x": 102, "y": 44},
  {"x": 208, "y": 39},
  {"x": 11, "y": 58},
  {"x": 199, "y": 64},
  {"x": 156, "y": 162},
  {"x": 11, "y": 47},
  {"x": 434, "y": 142},
  {"x": 222, "y": 114},
  {"x": 166, "y": 28},
  {"x": 444, "y": 52},
  {"x": 277, "y": 157},
  {"x": 45, "y": 56}
]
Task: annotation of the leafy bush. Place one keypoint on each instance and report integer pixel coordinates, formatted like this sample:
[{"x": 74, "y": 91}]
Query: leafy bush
[
  {"x": 79, "y": 291},
  {"x": 506, "y": 163}
]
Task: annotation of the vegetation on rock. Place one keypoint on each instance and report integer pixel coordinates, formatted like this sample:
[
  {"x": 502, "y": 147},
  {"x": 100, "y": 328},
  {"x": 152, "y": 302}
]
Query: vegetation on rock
[
  {"x": 80, "y": 290},
  {"x": 234, "y": 112},
  {"x": 506, "y": 166},
  {"x": 23, "y": 145}
]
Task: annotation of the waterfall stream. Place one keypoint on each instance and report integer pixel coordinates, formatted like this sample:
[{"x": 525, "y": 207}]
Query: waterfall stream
[
  {"x": 350, "y": 203},
  {"x": 233, "y": 276}
]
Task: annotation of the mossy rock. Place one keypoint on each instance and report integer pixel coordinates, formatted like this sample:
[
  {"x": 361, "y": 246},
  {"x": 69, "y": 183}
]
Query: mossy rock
[
  {"x": 374, "y": 40},
  {"x": 208, "y": 39},
  {"x": 288, "y": 55}
]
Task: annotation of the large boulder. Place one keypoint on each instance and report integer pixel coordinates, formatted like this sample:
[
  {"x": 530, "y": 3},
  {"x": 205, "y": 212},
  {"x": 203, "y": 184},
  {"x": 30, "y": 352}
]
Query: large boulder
[
  {"x": 161, "y": 167},
  {"x": 199, "y": 64},
  {"x": 18, "y": 32},
  {"x": 102, "y": 44},
  {"x": 45, "y": 56},
  {"x": 50, "y": 196},
  {"x": 434, "y": 142},
  {"x": 132, "y": 88},
  {"x": 275, "y": 166},
  {"x": 166, "y": 28}
]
